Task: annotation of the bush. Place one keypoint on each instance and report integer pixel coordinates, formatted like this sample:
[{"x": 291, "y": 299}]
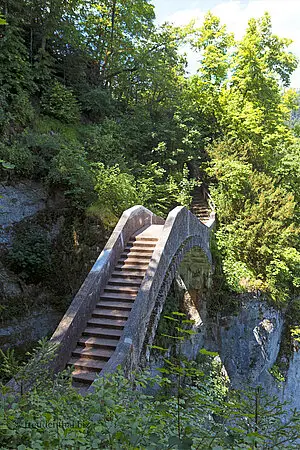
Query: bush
[
  {"x": 105, "y": 143},
  {"x": 116, "y": 190},
  {"x": 161, "y": 194},
  {"x": 121, "y": 414},
  {"x": 60, "y": 103},
  {"x": 20, "y": 156},
  {"x": 97, "y": 103},
  {"x": 21, "y": 109},
  {"x": 70, "y": 170},
  {"x": 31, "y": 252}
]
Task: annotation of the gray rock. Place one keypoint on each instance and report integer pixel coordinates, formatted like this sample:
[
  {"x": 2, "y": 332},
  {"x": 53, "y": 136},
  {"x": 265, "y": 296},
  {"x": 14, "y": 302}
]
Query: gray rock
[
  {"x": 34, "y": 326},
  {"x": 248, "y": 345},
  {"x": 17, "y": 203},
  {"x": 9, "y": 283},
  {"x": 249, "y": 342}
]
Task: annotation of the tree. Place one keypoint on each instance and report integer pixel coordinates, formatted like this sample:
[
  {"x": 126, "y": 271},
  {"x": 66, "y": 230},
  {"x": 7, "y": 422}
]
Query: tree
[
  {"x": 16, "y": 78},
  {"x": 254, "y": 109}
]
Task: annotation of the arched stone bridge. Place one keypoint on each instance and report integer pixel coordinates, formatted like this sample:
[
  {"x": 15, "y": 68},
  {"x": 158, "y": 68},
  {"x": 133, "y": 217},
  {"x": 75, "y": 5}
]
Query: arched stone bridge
[{"x": 114, "y": 315}]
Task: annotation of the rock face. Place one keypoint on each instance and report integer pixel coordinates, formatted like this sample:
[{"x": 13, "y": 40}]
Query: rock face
[
  {"x": 10, "y": 285},
  {"x": 34, "y": 326},
  {"x": 249, "y": 343},
  {"x": 289, "y": 391},
  {"x": 17, "y": 203}
]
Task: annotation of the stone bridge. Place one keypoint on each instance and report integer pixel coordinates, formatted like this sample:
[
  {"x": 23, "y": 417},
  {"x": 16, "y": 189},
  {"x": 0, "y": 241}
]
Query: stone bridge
[{"x": 114, "y": 316}]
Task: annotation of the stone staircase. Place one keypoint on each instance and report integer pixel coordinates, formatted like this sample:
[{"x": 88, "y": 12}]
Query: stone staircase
[
  {"x": 199, "y": 206},
  {"x": 105, "y": 327}
]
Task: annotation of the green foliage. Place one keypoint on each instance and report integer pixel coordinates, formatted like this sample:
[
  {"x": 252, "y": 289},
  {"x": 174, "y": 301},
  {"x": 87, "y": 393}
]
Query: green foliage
[
  {"x": 30, "y": 252},
  {"x": 295, "y": 333},
  {"x": 9, "y": 365},
  {"x": 105, "y": 143},
  {"x": 20, "y": 158},
  {"x": 70, "y": 170},
  {"x": 125, "y": 413},
  {"x": 2, "y": 20},
  {"x": 115, "y": 189},
  {"x": 33, "y": 372},
  {"x": 276, "y": 373},
  {"x": 60, "y": 103},
  {"x": 15, "y": 78},
  {"x": 119, "y": 190},
  {"x": 258, "y": 236},
  {"x": 119, "y": 414},
  {"x": 97, "y": 103}
]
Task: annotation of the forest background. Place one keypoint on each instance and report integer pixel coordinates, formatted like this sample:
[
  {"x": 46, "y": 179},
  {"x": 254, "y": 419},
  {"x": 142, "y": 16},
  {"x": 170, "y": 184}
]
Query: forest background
[{"x": 95, "y": 103}]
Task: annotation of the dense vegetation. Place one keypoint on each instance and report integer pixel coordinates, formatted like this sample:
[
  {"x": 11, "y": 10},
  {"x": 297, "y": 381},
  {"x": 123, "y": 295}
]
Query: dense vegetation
[
  {"x": 95, "y": 103},
  {"x": 187, "y": 405}
]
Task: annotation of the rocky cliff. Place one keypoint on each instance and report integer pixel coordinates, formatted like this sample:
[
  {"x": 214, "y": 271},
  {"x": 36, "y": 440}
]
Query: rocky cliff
[{"x": 249, "y": 342}]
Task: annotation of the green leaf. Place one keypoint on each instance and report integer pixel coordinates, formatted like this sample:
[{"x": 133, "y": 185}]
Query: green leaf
[
  {"x": 177, "y": 338},
  {"x": 156, "y": 347},
  {"x": 7, "y": 165},
  {"x": 205, "y": 352},
  {"x": 171, "y": 318},
  {"x": 174, "y": 440}
]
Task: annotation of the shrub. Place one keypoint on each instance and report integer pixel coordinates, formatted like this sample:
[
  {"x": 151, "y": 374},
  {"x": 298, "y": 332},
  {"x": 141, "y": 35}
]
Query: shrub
[
  {"x": 60, "y": 103},
  {"x": 160, "y": 194},
  {"x": 105, "y": 143},
  {"x": 20, "y": 157},
  {"x": 117, "y": 190},
  {"x": 30, "y": 253},
  {"x": 70, "y": 170},
  {"x": 21, "y": 109},
  {"x": 121, "y": 414},
  {"x": 97, "y": 103}
]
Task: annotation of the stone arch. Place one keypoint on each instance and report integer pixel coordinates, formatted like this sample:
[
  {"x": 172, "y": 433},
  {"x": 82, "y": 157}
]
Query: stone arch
[{"x": 182, "y": 256}]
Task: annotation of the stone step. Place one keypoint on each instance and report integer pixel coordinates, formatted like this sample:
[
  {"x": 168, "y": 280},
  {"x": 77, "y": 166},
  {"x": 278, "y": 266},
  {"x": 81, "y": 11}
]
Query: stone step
[
  {"x": 115, "y": 314},
  {"x": 127, "y": 306},
  {"x": 134, "y": 267},
  {"x": 201, "y": 211},
  {"x": 82, "y": 376},
  {"x": 107, "y": 323},
  {"x": 103, "y": 333},
  {"x": 126, "y": 275},
  {"x": 87, "y": 364},
  {"x": 121, "y": 289},
  {"x": 140, "y": 245},
  {"x": 144, "y": 238},
  {"x": 98, "y": 342},
  {"x": 201, "y": 216},
  {"x": 118, "y": 296},
  {"x": 133, "y": 282},
  {"x": 205, "y": 213},
  {"x": 93, "y": 353},
  {"x": 138, "y": 252},
  {"x": 131, "y": 260}
]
